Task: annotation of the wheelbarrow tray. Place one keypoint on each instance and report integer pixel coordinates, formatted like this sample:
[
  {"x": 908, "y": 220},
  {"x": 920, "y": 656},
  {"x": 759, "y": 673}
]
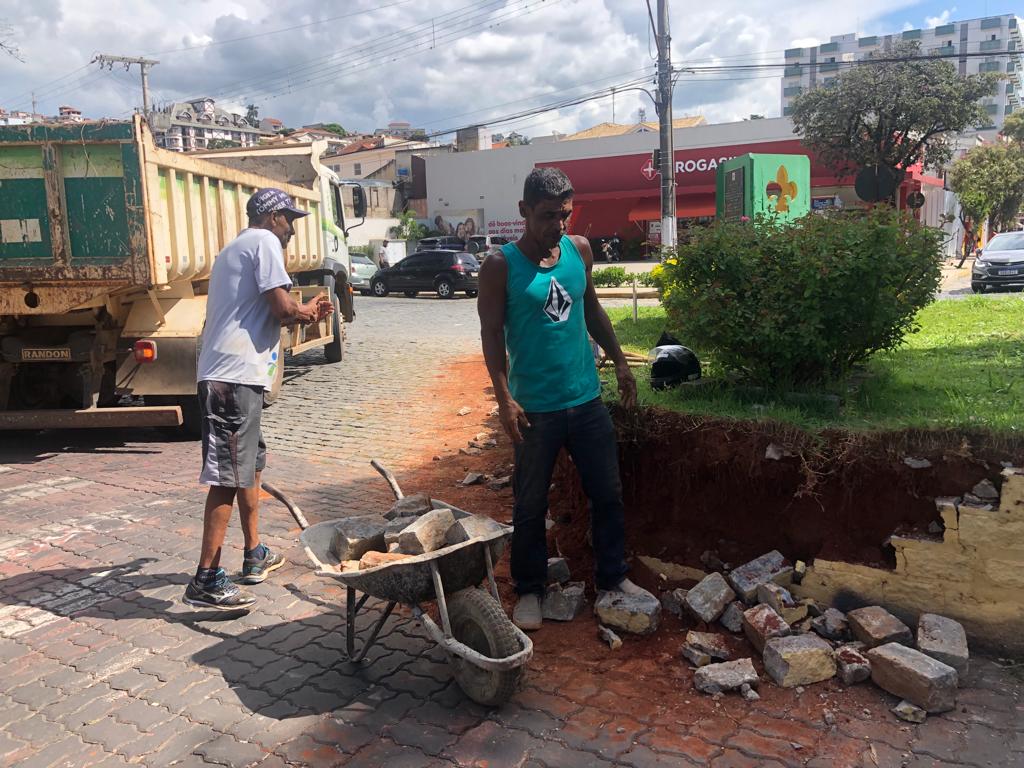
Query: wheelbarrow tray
[{"x": 410, "y": 581}]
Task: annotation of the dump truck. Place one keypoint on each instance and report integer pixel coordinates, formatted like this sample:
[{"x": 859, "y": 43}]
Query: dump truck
[{"x": 106, "y": 246}]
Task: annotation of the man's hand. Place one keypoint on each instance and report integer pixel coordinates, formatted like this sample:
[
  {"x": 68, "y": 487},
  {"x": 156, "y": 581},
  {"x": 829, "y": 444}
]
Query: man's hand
[
  {"x": 627, "y": 385},
  {"x": 513, "y": 419},
  {"x": 316, "y": 309}
]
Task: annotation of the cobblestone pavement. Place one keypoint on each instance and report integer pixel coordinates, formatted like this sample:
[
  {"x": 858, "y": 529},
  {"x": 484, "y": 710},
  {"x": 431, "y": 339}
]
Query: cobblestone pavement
[{"x": 103, "y": 666}]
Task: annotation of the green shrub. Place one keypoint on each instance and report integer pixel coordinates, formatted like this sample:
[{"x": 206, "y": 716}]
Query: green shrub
[
  {"x": 650, "y": 279},
  {"x": 609, "y": 277},
  {"x": 802, "y": 303}
]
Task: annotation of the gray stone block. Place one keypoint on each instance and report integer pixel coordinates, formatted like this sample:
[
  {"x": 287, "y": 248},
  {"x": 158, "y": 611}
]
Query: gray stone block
[
  {"x": 761, "y": 623},
  {"x": 355, "y": 536},
  {"x": 718, "y": 647},
  {"x": 674, "y": 601},
  {"x": 914, "y": 676},
  {"x": 945, "y": 640},
  {"x": 558, "y": 570},
  {"x": 563, "y": 603},
  {"x": 782, "y": 602},
  {"x": 853, "y": 666},
  {"x": 798, "y": 660},
  {"x": 707, "y": 600},
  {"x": 427, "y": 533},
  {"x": 831, "y": 625},
  {"x": 470, "y": 528},
  {"x": 639, "y": 614},
  {"x": 768, "y": 567},
  {"x": 875, "y": 626},
  {"x": 732, "y": 616},
  {"x": 727, "y": 676},
  {"x": 409, "y": 506}
]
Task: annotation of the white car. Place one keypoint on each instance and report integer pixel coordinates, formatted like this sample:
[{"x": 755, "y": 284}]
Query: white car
[
  {"x": 1000, "y": 264},
  {"x": 362, "y": 270}
]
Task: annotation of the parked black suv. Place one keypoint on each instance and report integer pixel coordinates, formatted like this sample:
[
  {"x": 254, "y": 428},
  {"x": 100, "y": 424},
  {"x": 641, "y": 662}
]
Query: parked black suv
[
  {"x": 443, "y": 243},
  {"x": 443, "y": 271}
]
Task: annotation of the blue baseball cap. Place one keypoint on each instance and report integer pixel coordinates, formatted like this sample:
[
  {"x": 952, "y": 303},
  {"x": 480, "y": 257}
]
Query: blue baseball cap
[{"x": 271, "y": 200}]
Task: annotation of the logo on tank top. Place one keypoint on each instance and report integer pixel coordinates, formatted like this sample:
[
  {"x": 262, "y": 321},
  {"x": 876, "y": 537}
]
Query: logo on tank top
[{"x": 558, "y": 302}]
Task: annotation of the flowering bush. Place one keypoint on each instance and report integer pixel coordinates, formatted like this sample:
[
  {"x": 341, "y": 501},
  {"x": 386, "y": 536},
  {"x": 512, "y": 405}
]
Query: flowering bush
[{"x": 804, "y": 302}]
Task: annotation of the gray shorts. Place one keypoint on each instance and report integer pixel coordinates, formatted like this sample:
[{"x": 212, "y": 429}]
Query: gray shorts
[{"x": 233, "y": 447}]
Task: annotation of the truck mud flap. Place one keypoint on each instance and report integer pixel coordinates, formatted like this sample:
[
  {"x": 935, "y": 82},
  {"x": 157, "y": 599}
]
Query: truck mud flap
[{"x": 99, "y": 418}]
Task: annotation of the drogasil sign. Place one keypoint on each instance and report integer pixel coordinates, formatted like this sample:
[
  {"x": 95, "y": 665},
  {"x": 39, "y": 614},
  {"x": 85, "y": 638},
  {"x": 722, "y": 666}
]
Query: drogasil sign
[{"x": 693, "y": 165}]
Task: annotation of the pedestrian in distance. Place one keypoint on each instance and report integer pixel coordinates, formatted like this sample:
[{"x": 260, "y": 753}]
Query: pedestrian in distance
[
  {"x": 537, "y": 304},
  {"x": 248, "y": 303},
  {"x": 382, "y": 256}
]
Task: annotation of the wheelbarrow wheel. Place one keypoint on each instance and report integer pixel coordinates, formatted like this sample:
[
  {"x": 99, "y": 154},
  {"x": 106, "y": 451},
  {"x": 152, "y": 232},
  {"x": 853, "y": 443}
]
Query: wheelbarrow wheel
[{"x": 479, "y": 622}]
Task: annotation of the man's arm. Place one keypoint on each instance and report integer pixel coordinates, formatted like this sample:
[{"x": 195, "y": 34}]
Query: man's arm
[
  {"x": 290, "y": 312},
  {"x": 490, "y": 305},
  {"x": 600, "y": 327}
]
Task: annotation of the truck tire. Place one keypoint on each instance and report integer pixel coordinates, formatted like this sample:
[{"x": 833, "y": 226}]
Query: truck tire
[
  {"x": 479, "y": 622},
  {"x": 335, "y": 351},
  {"x": 270, "y": 395}
]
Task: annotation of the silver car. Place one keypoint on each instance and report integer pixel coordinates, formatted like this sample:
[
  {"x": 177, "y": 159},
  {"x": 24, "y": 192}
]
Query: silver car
[
  {"x": 1000, "y": 264},
  {"x": 362, "y": 270}
]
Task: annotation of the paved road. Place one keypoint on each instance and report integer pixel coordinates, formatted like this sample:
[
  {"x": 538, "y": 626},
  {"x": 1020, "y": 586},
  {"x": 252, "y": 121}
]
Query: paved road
[{"x": 102, "y": 666}]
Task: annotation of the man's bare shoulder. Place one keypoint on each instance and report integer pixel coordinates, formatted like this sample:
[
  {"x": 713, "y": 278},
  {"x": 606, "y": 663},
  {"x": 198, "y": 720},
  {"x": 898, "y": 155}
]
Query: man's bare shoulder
[
  {"x": 494, "y": 261},
  {"x": 583, "y": 246}
]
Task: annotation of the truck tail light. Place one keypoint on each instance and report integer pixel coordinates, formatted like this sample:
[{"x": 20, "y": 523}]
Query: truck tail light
[{"x": 144, "y": 350}]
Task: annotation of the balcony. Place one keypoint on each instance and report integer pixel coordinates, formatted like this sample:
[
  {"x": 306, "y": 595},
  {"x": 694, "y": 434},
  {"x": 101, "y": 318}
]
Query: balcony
[
  {"x": 943, "y": 50},
  {"x": 793, "y": 71},
  {"x": 792, "y": 90},
  {"x": 828, "y": 47},
  {"x": 991, "y": 45},
  {"x": 990, "y": 66},
  {"x": 829, "y": 66},
  {"x": 992, "y": 23},
  {"x": 945, "y": 29},
  {"x": 867, "y": 42},
  {"x": 794, "y": 53},
  {"x": 912, "y": 34}
]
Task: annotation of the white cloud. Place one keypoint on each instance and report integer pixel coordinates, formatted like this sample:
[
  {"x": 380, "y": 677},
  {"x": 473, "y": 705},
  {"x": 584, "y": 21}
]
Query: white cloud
[
  {"x": 942, "y": 18},
  {"x": 409, "y": 60}
]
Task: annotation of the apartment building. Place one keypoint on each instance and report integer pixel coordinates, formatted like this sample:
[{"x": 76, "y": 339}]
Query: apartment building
[
  {"x": 991, "y": 44},
  {"x": 200, "y": 123}
]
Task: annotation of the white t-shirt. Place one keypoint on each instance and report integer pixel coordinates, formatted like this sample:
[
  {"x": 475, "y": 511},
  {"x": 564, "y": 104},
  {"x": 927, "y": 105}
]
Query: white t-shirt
[{"x": 242, "y": 338}]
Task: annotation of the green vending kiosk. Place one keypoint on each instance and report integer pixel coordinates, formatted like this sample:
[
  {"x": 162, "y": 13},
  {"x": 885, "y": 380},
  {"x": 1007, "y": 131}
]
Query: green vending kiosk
[{"x": 772, "y": 185}]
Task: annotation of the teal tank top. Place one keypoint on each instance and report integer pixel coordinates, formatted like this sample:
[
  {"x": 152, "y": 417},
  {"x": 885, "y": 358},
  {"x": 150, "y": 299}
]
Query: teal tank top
[{"x": 551, "y": 362}]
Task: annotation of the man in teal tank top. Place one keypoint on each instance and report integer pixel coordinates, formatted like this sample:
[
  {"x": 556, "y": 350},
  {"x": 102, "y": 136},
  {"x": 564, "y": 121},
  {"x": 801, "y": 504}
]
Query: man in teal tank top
[{"x": 537, "y": 304}]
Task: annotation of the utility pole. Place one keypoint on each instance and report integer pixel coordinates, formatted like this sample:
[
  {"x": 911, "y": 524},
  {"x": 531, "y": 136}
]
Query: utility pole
[
  {"x": 144, "y": 65},
  {"x": 666, "y": 152}
]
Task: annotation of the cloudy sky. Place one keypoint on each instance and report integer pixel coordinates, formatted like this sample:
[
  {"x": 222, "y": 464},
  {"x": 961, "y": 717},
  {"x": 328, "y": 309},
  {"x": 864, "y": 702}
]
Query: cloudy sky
[{"x": 439, "y": 65}]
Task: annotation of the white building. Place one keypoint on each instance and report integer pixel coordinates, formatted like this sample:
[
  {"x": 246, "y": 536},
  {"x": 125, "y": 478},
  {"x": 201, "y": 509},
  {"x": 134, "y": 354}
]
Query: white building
[
  {"x": 196, "y": 124},
  {"x": 992, "y": 44}
]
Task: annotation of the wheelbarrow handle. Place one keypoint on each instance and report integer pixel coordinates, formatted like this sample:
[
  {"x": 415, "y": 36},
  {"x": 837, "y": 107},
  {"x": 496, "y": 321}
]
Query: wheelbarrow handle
[
  {"x": 386, "y": 474},
  {"x": 300, "y": 519}
]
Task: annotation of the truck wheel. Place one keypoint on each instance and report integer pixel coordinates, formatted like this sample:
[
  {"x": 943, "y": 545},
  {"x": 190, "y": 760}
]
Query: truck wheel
[
  {"x": 270, "y": 395},
  {"x": 335, "y": 351},
  {"x": 379, "y": 288},
  {"x": 479, "y": 622}
]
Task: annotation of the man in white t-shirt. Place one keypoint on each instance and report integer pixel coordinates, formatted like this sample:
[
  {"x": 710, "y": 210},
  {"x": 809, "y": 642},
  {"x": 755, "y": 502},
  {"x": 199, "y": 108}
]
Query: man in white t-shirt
[{"x": 248, "y": 302}]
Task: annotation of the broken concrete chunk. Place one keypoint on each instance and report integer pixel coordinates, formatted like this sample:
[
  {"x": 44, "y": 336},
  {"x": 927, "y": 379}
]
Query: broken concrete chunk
[
  {"x": 613, "y": 640},
  {"x": 945, "y": 640},
  {"x": 471, "y": 527},
  {"x": 875, "y": 626},
  {"x": 853, "y": 666},
  {"x": 780, "y": 599},
  {"x": 831, "y": 625},
  {"x": 986, "y": 491},
  {"x": 798, "y": 660},
  {"x": 355, "y": 536},
  {"x": 498, "y": 483},
  {"x": 558, "y": 570},
  {"x": 748, "y": 693},
  {"x": 695, "y": 656},
  {"x": 671, "y": 571},
  {"x": 410, "y": 506},
  {"x": 907, "y": 711},
  {"x": 769, "y": 567},
  {"x": 473, "y": 478},
  {"x": 427, "y": 533},
  {"x": 470, "y": 451},
  {"x": 915, "y": 463},
  {"x": 394, "y": 527},
  {"x": 674, "y": 601},
  {"x": 563, "y": 603},
  {"x": 708, "y": 599},
  {"x": 718, "y": 647},
  {"x": 761, "y": 623},
  {"x": 638, "y": 614},
  {"x": 727, "y": 676},
  {"x": 465, "y": 410},
  {"x": 914, "y": 676},
  {"x": 732, "y": 616},
  {"x": 373, "y": 559}
]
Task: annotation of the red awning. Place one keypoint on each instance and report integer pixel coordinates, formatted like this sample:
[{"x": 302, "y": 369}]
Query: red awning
[
  {"x": 646, "y": 209},
  {"x": 649, "y": 209}
]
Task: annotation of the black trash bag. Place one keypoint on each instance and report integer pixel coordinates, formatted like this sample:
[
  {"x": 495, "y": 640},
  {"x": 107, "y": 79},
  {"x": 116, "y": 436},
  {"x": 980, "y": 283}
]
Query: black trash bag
[{"x": 672, "y": 363}]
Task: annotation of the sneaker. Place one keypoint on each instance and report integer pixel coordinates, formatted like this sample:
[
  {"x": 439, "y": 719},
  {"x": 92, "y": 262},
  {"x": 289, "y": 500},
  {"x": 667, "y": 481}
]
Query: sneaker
[
  {"x": 256, "y": 571},
  {"x": 527, "y": 615},
  {"x": 219, "y": 593},
  {"x": 627, "y": 587}
]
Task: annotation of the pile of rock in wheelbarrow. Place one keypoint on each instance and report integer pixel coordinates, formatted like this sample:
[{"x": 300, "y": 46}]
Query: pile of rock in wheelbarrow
[
  {"x": 802, "y": 642},
  {"x": 411, "y": 527}
]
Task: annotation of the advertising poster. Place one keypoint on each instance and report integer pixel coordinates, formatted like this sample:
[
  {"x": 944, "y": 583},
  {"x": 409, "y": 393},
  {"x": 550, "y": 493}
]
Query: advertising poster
[{"x": 462, "y": 224}]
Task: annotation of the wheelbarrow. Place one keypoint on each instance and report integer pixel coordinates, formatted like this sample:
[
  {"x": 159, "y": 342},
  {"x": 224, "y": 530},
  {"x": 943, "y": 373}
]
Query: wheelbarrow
[{"x": 486, "y": 651}]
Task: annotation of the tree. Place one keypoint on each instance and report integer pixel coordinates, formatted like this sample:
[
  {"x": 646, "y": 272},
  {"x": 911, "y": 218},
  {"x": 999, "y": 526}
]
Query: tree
[
  {"x": 408, "y": 228},
  {"x": 989, "y": 182},
  {"x": 252, "y": 114},
  {"x": 903, "y": 110},
  {"x": 334, "y": 128},
  {"x": 6, "y": 44},
  {"x": 517, "y": 139},
  {"x": 1013, "y": 128},
  {"x": 222, "y": 144}
]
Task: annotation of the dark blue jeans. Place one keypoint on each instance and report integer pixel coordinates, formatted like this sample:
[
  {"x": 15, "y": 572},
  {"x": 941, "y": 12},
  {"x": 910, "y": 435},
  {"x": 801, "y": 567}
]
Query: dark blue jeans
[{"x": 586, "y": 431}]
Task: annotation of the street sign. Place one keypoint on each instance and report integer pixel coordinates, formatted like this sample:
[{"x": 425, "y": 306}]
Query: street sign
[{"x": 915, "y": 200}]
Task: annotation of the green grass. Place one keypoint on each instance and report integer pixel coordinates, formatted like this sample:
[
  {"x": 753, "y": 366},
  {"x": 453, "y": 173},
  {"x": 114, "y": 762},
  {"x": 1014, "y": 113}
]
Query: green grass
[{"x": 963, "y": 369}]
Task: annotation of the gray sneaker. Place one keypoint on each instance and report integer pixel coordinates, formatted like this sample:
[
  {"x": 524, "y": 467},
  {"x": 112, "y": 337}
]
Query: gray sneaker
[
  {"x": 256, "y": 571},
  {"x": 527, "y": 615},
  {"x": 218, "y": 593}
]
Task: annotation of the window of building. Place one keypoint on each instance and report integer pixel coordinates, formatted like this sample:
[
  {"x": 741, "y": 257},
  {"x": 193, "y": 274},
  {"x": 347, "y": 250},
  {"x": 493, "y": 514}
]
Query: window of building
[{"x": 357, "y": 169}]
